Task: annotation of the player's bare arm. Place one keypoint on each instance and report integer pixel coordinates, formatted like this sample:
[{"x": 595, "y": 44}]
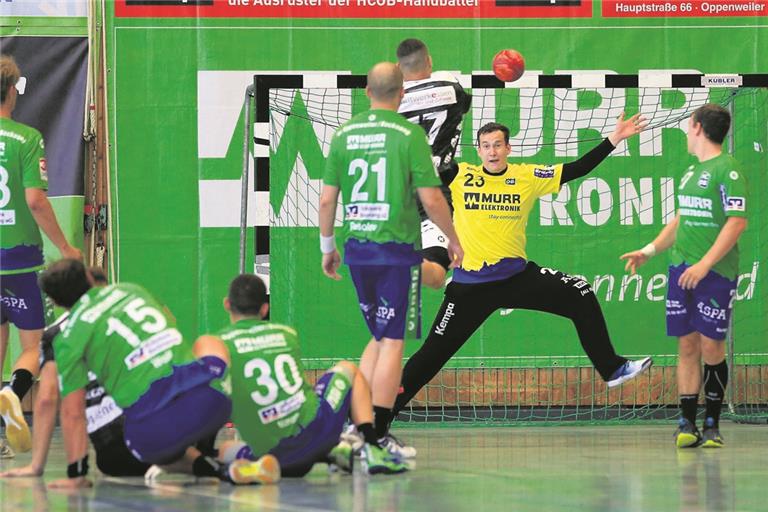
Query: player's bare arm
[
  {"x": 327, "y": 217},
  {"x": 73, "y": 429},
  {"x": 661, "y": 243}
]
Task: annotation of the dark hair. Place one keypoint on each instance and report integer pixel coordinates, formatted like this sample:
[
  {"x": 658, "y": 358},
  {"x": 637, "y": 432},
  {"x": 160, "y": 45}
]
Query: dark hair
[
  {"x": 493, "y": 127},
  {"x": 409, "y": 47},
  {"x": 65, "y": 281},
  {"x": 247, "y": 293},
  {"x": 98, "y": 275},
  {"x": 715, "y": 120}
]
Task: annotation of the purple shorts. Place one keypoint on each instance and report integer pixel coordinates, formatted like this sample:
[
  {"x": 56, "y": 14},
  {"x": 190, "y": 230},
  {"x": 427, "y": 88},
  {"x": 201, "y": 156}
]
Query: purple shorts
[
  {"x": 176, "y": 412},
  {"x": 313, "y": 442},
  {"x": 21, "y": 302},
  {"x": 390, "y": 299},
  {"x": 705, "y": 309}
]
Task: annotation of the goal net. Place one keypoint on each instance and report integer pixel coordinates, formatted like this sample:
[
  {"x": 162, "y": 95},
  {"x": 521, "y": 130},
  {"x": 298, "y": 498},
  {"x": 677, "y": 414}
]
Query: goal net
[{"x": 522, "y": 365}]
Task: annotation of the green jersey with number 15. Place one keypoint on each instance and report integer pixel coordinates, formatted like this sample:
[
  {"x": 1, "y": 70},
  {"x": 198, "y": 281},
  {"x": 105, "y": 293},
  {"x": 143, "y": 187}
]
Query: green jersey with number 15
[
  {"x": 125, "y": 337},
  {"x": 270, "y": 399},
  {"x": 378, "y": 159}
]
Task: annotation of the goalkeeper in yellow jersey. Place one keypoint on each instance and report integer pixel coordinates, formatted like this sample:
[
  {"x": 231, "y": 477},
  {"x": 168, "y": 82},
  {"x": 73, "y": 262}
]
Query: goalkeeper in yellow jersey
[{"x": 492, "y": 203}]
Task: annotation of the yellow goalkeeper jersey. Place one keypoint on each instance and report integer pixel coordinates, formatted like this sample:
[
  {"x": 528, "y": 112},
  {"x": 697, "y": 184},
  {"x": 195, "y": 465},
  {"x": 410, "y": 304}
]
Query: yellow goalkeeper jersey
[{"x": 491, "y": 214}]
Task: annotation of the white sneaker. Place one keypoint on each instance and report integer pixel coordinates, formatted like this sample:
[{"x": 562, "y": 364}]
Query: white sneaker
[
  {"x": 629, "y": 370},
  {"x": 353, "y": 437},
  {"x": 394, "y": 446},
  {"x": 16, "y": 428},
  {"x": 6, "y": 452}
]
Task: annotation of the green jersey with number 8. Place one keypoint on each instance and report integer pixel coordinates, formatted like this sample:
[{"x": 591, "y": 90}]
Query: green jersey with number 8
[
  {"x": 22, "y": 166},
  {"x": 378, "y": 159},
  {"x": 124, "y": 336},
  {"x": 270, "y": 399}
]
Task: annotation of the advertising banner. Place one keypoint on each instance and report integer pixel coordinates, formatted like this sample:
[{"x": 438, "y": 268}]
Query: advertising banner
[
  {"x": 177, "y": 87},
  {"x": 404, "y": 9}
]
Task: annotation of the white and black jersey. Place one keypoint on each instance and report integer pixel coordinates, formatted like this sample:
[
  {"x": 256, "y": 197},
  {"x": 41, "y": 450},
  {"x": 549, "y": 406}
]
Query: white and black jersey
[
  {"x": 104, "y": 416},
  {"x": 438, "y": 105}
]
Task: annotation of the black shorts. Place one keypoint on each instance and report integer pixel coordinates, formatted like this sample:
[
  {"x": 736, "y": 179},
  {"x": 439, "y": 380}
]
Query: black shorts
[{"x": 114, "y": 459}]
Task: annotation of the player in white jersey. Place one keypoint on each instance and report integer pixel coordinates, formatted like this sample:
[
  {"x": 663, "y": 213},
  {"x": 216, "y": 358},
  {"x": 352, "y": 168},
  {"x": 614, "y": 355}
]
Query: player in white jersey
[{"x": 436, "y": 102}]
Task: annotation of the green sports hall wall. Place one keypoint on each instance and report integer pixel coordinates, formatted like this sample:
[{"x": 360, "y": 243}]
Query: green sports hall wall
[{"x": 162, "y": 150}]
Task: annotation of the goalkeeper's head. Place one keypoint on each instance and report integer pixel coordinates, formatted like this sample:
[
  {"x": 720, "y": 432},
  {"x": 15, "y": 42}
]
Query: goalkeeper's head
[{"x": 247, "y": 298}]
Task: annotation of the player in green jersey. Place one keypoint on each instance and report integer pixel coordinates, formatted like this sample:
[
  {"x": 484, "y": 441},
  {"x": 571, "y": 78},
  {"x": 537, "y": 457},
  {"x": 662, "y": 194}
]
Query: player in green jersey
[
  {"x": 275, "y": 410},
  {"x": 161, "y": 381},
  {"x": 380, "y": 162},
  {"x": 24, "y": 210},
  {"x": 703, "y": 236}
]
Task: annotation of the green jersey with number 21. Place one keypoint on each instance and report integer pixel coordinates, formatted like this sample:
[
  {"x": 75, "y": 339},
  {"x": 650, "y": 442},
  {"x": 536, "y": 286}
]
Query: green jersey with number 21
[{"x": 377, "y": 159}]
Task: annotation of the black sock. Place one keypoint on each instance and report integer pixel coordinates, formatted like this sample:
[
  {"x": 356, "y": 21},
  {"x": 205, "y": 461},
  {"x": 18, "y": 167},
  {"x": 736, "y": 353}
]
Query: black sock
[
  {"x": 368, "y": 432},
  {"x": 207, "y": 446},
  {"x": 206, "y": 466},
  {"x": 715, "y": 382},
  {"x": 382, "y": 418},
  {"x": 688, "y": 406},
  {"x": 21, "y": 381}
]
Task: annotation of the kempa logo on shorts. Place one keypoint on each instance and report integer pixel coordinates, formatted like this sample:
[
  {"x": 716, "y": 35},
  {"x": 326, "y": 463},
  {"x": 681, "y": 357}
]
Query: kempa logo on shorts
[{"x": 440, "y": 329}]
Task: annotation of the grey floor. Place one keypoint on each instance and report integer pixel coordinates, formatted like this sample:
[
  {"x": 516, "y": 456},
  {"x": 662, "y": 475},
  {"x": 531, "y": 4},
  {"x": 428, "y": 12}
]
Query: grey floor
[{"x": 619, "y": 467}]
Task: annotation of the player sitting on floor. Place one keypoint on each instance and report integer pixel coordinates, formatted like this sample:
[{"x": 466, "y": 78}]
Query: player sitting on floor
[
  {"x": 162, "y": 382},
  {"x": 275, "y": 410},
  {"x": 105, "y": 418}
]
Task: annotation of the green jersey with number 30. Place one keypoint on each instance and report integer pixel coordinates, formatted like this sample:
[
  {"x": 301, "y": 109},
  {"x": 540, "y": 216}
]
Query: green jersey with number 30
[
  {"x": 709, "y": 193},
  {"x": 378, "y": 159},
  {"x": 270, "y": 399},
  {"x": 22, "y": 166},
  {"x": 124, "y": 336}
]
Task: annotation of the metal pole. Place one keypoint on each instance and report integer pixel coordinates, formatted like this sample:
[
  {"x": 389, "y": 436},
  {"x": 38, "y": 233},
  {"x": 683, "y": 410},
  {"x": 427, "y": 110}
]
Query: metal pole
[
  {"x": 730, "y": 338},
  {"x": 248, "y": 123}
]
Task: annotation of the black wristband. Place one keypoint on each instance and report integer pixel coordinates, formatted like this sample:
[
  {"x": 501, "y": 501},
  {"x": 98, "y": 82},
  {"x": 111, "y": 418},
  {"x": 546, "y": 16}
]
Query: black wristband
[{"x": 78, "y": 469}]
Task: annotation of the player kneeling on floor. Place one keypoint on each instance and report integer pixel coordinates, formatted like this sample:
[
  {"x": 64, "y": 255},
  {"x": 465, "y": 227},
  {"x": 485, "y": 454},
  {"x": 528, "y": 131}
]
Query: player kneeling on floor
[
  {"x": 275, "y": 411},
  {"x": 162, "y": 382}
]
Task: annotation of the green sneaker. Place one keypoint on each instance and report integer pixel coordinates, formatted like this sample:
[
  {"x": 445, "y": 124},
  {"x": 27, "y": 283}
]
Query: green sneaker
[
  {"x": 378, "y": 460},
  {"x": 687, "y": 435},
  {"x": 342, "y": 456},
  {"x": 711, "y": 435}
]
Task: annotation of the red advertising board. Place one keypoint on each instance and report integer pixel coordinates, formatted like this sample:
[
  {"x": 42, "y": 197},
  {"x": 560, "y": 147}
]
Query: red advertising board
[
  {"x": 354, "y": 8},
  {"x": 683, "y": 8}
]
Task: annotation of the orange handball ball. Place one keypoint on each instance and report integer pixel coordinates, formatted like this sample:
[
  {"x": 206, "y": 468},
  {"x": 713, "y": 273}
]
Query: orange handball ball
[{"x": 508, "y": 65}]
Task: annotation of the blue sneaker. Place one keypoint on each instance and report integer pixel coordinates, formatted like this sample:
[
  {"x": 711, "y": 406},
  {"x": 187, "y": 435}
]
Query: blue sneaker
[
  {"x": 687, "y": 435},
  {"x": 629, "y": 370},
  {"x": 711, "y": 437}
]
